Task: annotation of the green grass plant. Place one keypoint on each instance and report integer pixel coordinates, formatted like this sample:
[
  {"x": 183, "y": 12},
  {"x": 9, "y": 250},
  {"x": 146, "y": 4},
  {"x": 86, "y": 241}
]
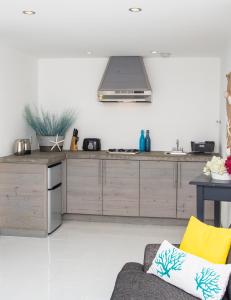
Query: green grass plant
[{"x": 49, "y": 124}]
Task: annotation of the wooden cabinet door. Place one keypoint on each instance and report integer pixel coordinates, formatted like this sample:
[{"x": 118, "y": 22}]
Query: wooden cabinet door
[
  {"x": 121, "y": 187},
  {"x": 186, "y": 193},
  {"x": 84, "y": 186},
  {"x": 158, "y": 189},
  {"x": 23, "y": 198}
]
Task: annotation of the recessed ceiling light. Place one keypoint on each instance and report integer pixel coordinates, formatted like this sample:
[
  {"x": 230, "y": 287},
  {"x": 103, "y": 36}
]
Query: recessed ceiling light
[
  {"x": 89, "y": 52},
  {"x": 161, "y": 54},
  {"x": 28, "y": 12},
  {"x": 135, "y": 9},
  {"x": 155, "y": 52}
]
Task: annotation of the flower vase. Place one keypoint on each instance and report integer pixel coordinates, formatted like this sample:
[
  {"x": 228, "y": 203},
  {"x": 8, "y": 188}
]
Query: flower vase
[
  {"x": 224, "y": 177},
  {"x": 47, "y": 143}
]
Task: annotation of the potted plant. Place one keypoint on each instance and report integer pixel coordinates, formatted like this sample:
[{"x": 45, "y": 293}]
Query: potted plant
[
  {"x": 50, "y": 128},
  {"x": 218, "y": 168}
]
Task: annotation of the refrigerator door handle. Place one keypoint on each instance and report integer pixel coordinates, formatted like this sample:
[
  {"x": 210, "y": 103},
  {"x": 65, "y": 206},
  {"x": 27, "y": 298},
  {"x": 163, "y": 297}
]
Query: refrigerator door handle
[{"x": 55, "y": 187}]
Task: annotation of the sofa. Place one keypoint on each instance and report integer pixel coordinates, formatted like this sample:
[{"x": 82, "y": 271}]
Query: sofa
[{"x": 133, "y": 283}]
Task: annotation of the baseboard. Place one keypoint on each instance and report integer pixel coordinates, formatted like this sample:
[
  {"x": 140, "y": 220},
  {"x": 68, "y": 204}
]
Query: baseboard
[
  {"x": 23, "y": 233},
  {"x": 129, "y": 220}
]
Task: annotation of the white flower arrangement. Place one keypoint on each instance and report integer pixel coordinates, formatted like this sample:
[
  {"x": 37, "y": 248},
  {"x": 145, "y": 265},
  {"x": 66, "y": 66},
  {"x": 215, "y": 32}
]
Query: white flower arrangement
[{"x": 215, "y": 165}]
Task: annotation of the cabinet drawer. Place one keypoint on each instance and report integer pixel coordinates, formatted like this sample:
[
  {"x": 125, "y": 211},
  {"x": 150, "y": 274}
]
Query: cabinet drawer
[{"x": 54, "y": 208}]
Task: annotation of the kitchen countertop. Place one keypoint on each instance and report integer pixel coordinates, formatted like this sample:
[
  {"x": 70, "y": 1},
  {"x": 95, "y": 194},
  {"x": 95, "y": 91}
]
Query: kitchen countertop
[
  {"x": 153, "y": 155},
  {"x": 48, "y": 158},
  {"x": 36, "y": 157}
]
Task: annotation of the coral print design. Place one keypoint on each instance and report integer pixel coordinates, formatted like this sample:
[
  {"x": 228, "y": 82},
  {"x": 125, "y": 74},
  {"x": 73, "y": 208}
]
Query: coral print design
[
  {"x": 169, "y": 260},
  {"x": 207, "y": 282}
]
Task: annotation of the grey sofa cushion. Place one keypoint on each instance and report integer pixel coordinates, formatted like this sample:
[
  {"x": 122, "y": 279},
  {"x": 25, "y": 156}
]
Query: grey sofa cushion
[
  {"x": 229, "y": 258},
  {"x": 134, "y": 284}
]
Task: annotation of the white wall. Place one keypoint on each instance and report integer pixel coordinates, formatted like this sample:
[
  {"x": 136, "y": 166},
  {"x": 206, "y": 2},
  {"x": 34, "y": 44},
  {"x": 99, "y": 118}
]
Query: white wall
[
  {"x": 18, "y": 86},
  {"x": 225, "y": 69},
  {"x": 185, "y": 101}
]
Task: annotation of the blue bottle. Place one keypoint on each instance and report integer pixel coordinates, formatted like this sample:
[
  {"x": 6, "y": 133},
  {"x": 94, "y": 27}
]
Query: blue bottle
[
  {"x": 142, "y": 141},
  {"x": 147, "y": 142}
]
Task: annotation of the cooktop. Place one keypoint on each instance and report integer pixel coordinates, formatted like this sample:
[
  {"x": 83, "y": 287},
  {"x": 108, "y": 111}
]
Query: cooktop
[{"x": 123, "y": 151}]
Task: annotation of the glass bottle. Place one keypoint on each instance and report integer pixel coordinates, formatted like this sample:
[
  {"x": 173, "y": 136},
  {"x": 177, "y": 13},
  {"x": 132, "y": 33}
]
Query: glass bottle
[
  {"x": 142, "y": 141},
  {"x": 147, "y": 142}
]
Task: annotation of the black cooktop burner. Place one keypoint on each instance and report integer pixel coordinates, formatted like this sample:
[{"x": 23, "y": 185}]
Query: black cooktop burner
[{"x": 121, "y": 150}]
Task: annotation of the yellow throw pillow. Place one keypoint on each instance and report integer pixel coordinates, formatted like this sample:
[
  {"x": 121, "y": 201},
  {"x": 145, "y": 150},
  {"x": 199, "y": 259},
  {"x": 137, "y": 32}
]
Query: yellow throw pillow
[{"x": 208, "y": 242}]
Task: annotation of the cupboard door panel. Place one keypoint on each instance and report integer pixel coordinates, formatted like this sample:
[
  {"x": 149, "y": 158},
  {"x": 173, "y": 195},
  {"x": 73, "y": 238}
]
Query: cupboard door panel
[
  {"x": 158, "y": 189},
  {"x": 121, "y": 187},
  {"x": 23, "y": 197},
  {"x": 186, "y": 200},
  {"x": 84, "y": 186}
]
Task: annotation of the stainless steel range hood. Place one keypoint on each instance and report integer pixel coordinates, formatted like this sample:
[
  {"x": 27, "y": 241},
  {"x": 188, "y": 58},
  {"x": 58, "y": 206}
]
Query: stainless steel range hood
[{"x": 125, "y": 80}]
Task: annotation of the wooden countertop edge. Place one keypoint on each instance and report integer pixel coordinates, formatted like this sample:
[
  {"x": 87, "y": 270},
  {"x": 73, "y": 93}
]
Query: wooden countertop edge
[{"x": 49, "y": 158}]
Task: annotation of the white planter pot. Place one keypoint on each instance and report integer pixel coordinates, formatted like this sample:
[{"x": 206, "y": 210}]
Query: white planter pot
[
  {"x": 46, "y": 145},
  {"x": 225, "y": 176}
]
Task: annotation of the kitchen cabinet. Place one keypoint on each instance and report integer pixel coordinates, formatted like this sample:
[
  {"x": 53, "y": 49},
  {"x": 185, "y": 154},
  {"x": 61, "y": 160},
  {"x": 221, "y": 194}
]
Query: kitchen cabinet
[
  {"x": 158, "y": 180},
  {"x": 133, "y": 188},
  {"x": 23, "y": 199},
  {"x": 97, "y": 183},
  {"x": 84, "y": 186},
  {"x": 186, "y": 193},
  {"x": 121, "y": 187}
]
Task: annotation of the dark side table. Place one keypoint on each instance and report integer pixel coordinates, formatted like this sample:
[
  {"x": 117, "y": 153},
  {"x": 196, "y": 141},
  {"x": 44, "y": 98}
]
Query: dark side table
[{"x": 210, "y": 189}]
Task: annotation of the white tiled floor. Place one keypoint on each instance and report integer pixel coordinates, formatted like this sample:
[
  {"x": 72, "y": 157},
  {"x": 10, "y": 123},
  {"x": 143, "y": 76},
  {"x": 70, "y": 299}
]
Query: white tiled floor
[{"x": 80, "y": 261}]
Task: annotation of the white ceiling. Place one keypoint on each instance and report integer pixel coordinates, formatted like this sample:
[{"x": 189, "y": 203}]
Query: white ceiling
[{"x": 70, "y": 28}]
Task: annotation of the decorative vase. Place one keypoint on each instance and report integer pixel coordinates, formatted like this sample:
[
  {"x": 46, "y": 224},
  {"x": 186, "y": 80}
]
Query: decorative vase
[
  {"x": 225, "y": 176},
  {"x": 50, "y": 143}
]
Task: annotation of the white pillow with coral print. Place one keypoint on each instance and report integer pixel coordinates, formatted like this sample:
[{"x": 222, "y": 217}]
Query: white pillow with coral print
[{"x": 192, "y": 274}]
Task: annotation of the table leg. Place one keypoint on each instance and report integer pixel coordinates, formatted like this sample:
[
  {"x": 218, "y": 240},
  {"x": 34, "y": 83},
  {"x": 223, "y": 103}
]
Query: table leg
[
  {"x": 200, "y": 203},
  {"x": 217, "y": 213}
]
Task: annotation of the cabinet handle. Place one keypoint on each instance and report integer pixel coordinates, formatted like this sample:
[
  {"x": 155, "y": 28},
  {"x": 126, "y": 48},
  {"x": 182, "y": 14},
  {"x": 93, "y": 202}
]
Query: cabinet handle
[
  {"x": 100, "y": 172},
  {"x": 105, "y": 172},
  {"x": 179, "y": 178},
  {"x": 174, "y": 176}
]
